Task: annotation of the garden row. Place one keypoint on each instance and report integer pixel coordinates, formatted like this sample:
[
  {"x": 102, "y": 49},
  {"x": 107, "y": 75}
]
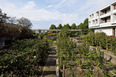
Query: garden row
[
  {"x": 79, "y": 61},
  {"x": 24, "y": 58},
  {"x": 100, "y": 39}
]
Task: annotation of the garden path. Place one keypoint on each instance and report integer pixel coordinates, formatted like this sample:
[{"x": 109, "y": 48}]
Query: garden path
[{"x": 49, "y": 69}]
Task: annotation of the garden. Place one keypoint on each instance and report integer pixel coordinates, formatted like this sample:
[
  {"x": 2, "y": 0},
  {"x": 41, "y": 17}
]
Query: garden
[
  {"x": 25, "y": 58},
  {"x": 77, "y": 60},
  {"x": 28, "y": 51},
  {"x": 102, "y": 40}
]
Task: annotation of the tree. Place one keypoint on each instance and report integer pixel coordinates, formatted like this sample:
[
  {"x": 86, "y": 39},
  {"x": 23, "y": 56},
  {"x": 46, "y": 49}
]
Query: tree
[
  {"x": 39, "y": 31},
  {"x": 12, "y": 20},
  {"x": 53, "y": 26},
  {"x": 59, "y": 26},
  {"x": 13, "y": 31},
  {"x": 73, "y": 26},
  {"x": 67, "y": 26},
  {"x": 80, "y": 25},
  {"x": 84, "y": 25},
  {"x": 3, "y": 17},
  {"x": 24, "y": 22},
  {"x": 25, "y": 33}
]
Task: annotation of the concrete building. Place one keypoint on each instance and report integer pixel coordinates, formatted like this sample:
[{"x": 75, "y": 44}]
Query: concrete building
[{"x": 104, "y": 20}]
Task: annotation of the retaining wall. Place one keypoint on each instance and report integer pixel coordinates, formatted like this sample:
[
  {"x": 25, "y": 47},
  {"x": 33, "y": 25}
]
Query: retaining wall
[{"x": 106, "y": 54}]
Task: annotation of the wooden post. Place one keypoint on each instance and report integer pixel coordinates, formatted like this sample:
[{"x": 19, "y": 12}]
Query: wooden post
[{"x": 63, "y": 70}]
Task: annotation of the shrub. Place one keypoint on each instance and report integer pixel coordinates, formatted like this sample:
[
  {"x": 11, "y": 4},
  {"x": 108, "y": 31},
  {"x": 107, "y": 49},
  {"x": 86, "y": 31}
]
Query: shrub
[
  {"x": 111, "y": 44},
  {"x": 24, "y": 57},
  {"x": 89, "y": 38},
  {"x": 100, "y": 39}
]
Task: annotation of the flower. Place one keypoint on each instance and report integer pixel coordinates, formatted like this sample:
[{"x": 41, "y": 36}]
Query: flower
[{"x": 34, "y": 56}]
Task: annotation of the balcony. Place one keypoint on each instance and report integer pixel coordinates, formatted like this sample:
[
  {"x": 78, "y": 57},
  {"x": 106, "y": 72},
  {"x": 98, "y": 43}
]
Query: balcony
[
  {"x": 105, "y": 12},
  {"x": 106, "y": 24},
  {"x": 105, "y": 15},
  {"x": 94, "y": 26},
  {"x": 114, "y": 11},
  {"x": 105, "y": 20},
  {"x": 114, "y": 18}
]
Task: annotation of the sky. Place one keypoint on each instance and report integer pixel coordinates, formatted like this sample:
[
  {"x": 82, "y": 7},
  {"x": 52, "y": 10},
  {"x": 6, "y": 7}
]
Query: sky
[{"x": 43, "y": 13}]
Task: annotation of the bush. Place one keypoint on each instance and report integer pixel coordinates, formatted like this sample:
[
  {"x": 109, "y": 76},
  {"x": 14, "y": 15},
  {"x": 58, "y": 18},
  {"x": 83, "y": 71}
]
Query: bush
[
  {"x": 24, "y": 57},
  {"x": 100, "y": 39},
  {"x": 89, "y": 38},
  {"x": 111, "y": 44}
]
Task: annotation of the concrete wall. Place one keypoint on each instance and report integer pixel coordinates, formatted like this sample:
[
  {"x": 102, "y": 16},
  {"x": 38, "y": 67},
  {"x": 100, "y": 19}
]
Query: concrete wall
[
  {"x": 106, "y": 54},
  {"x": 108, "y": 31}
]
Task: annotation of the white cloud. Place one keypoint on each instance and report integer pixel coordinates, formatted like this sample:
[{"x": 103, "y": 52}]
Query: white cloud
[
  {"x": 44, "y": 15},
  {"x": 30, "y": 5},
  {"x": 59, "y": 4},
  {"x": 49, "y": 6},
  {"x": 39, "y": 15},
  {"x": 66, "y": 3},
  {"x": 94, "y": 5}
]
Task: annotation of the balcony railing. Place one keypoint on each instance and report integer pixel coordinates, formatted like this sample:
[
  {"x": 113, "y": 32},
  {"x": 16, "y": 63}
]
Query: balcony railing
[{"x": 103, "y": 13}]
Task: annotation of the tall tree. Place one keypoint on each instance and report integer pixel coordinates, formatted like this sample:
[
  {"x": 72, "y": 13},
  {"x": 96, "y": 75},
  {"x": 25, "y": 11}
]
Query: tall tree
[
  {"x": 84, "y": 25},
  {"x": 12, "y": 20},
  {"x": 24, "y": 22},
  {"x": 39, "y": 31},
  {"x": 14, "y": 31},
  {"x": 80, "y": 25},
  {"x": 67, "y": 26},
  {"x": 3, "y": 17},
  {"x": 59, "y": 26},
  {"x": 52, "y": 26},
  {"x": 25, "y": 33},
  {"x": 73, "y": 26}
]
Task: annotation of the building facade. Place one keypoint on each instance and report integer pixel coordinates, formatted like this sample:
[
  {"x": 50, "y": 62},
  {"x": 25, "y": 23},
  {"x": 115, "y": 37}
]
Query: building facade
[{"x": 104, "y": 20}]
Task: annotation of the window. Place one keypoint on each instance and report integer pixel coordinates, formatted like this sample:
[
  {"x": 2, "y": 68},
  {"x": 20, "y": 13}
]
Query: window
[
  {"x": 92, "y": 15},
  {"x": 96, "y": 21},
  {"x": 97, "y": 13}
]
